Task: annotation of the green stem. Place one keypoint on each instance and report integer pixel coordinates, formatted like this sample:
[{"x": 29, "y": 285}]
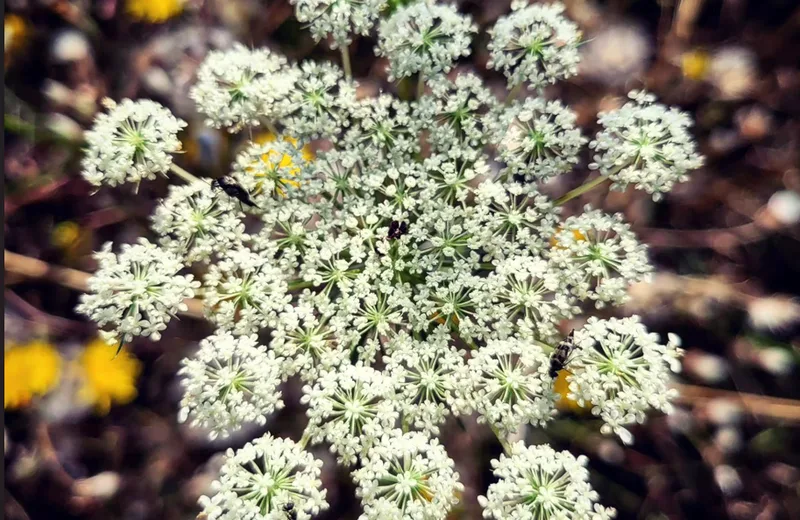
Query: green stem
[
  {"x": 420, "y": 86},
  {"x": 300, "y": 284},
  {"x": 513, "y": 93},
  {"x": 304, "y": 440},
  {"x": 183, "y": 174},
  {"x": 502, "y": 438},
  {"x": 580, "y": 190},
  {"x": 348, "y": 71}
]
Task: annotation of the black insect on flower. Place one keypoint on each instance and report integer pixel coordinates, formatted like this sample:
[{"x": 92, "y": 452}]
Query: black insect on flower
[
  {"x": 288, "y": 508},
  {"x": 561, "y": 355},
  {"x": 232, "y": 189},
  {"x": 397, "y": 229}
]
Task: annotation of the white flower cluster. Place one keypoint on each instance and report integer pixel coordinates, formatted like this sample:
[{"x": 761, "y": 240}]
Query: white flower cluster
[
  {"x": 646, "y": 144},
  {"x": 535, "y": 43},
  {"x": 424, "y": 38},
  {"x": 229, "y": 382},
  {"x": 339, "y": 19},
  {"x": 410, "y": 273},
  {"x": 137, "y": 291},
  {"x": 539, "y": 482},
  {"x": 623, "y": 371},
  {"x": 264, "y": 479},
  {"x": 134, "y": 141},
  {"x": 243, "y": 87}
]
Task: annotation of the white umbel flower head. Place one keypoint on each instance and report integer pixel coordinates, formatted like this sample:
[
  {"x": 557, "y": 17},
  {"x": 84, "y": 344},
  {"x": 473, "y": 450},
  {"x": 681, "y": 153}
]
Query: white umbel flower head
[
  {"x": 242, "y": 87},
  {"x": 320, "y": 102},
  {"x": 258, "y": 481},
  {"x": 456, "y": 114},
  {"x": 196, "y": 223},
  {"x": 508, "y": 385},
  {"x": 600, "y": 256},
  {"x": 527, "y": 293},
  {"x": 339, "y": 19},
  {"x": 137, "y": 291},
  {"x": 622, "y": 371},
  {"x": 424, "y": 38},
  {"x": 407, "y": 476},
  {"x": 229, "y": 382},
  {"x": 537, "y": 139},
  {"x": 535, "y": 43},
  {"x": 245, "y": 291},
  {"x": 427, "y": 374},
  {"x": 646, "y": 144},
  {"x": 349, "y": 407},
  {"x": 537, "y": 482},
  {"x": 270, "y": 170},
  {"x": 132, "y": 142}
]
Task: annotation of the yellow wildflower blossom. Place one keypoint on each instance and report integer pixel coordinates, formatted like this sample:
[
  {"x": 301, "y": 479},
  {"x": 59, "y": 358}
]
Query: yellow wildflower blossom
[
  {"x": 107, "y": 379},
  {"x": 154, "y": 11},
  {"x": 30, "y": 370},
  {"x": 279, "y": 167},
  {"x": 15, "y": 31},
  {"x": 695, "y": 64},
  {"x": 561, "y": 387}
]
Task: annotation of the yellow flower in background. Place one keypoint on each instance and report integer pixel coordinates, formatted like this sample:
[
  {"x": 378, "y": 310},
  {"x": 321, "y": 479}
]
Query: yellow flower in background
[
  {"x": 107, "y": 379},
  {"x": 30, "y": 370},
  {"x": 154, "y": 11},
  {"x": 561, "y": 387},
  {"x": 73, "y": 240},
  {"x": 15, "y": 31},
  {"x": 274, "y": 162},
  {"x": 695, "y": 64}
]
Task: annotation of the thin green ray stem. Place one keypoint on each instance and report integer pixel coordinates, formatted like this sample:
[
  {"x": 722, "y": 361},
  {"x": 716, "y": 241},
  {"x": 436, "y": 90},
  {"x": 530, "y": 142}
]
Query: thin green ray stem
[
  {"x": 580, "y": 190},
  {"x": 513, "y": 93},
  {"x": 348, "y": 71},
  {"x": 183, "y": 174}
]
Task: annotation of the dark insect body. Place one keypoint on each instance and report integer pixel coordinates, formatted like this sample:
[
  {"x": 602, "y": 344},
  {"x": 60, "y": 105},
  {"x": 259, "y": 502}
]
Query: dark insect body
[
  {"x": 232, "y": 189},
  {"x": 397, "y": 229},
  {"x": 560, "y": 356},
  {"x": 288, "y": 508}
]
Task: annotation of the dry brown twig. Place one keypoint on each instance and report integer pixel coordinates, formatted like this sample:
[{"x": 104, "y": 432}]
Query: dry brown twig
[{"x": 33, "y": 268}]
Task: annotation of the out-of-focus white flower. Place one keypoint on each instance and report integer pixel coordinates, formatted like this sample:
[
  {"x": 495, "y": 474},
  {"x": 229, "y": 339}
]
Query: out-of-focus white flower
[
  {"x": 600, "y": 256},
  {"x": 622, "y": 371},
  {"x": 70, "y": 45},
  {"x": 427, "y": 374},
  {"x": 229, "y": 382},
  {"x": 196, "y": 223},
  {"x": 724, "y": 412},
  {"x": 785, "y": 207},
  {"x": 776, "y": 360},
  {"x": 245, "y": 291},
  {"x": 456, "y": 114},
  {"x": 270, "y": 170},
  {"x": 339, "y": 19},
  {"x": 320, "y": 102},
  {"x": 539, "y": 482},
  {"x": 773, "y": 313},
  {"x": 507, "y": 383},
  {"x": 137, "y": 291},
  {"x": 646, "y": 144},
  {"x": 133, "y": 141},
  {"x": 424, "y": 38},
  {"x": 407, "y": 476},
  {"x": 535, "y": 43},
  {"x": 733, "y": 72},
  {"x": 350, "y": 407},
  {"x": 728, "y": 479},
  {"x": 537, "y": 139},
  {"x": 242, "y": 87},
  {"x": 616, "y": 54},
  {"x": 260, "y": 480}
]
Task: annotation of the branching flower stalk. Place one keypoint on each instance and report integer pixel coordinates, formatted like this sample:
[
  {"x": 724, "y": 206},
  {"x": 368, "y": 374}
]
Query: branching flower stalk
[{"x": 402, "y": 287}]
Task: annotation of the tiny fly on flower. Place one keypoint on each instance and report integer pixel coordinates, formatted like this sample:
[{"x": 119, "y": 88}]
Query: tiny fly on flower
[
  {"x": 397, "y": 229},
  {"x": 561, "y": 355},
  {"x": 232, "y": 189},
  {"x": 288, "y": 508}
]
